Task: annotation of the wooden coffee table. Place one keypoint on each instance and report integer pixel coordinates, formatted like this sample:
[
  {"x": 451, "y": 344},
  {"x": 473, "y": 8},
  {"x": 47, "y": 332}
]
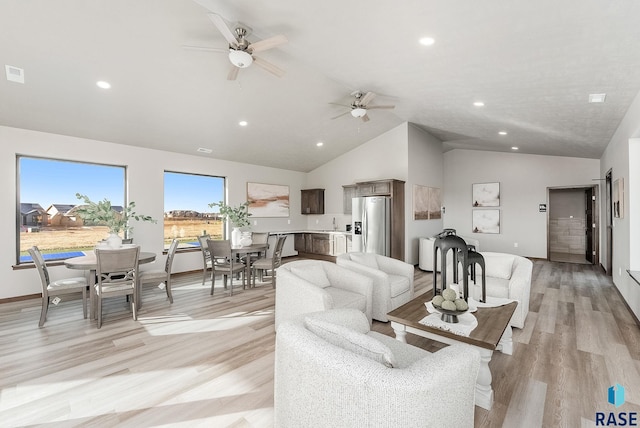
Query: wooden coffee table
[{"x": 492, "y": 333}]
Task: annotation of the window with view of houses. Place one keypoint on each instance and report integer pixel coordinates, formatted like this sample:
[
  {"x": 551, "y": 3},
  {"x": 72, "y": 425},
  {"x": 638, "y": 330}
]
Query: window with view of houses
[
  {"x": 47, "y": 202},
  {"x": 187, "y": 214}
]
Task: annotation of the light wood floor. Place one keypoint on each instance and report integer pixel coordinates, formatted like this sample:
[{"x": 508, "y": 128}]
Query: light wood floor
[{"x": 208, "y": 361}]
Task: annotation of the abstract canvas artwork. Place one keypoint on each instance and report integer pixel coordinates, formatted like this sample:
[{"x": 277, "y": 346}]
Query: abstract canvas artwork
[
  {"x": 268, "y": 200},
  {"x": 486, "y": 221},
  {"x": 618, "y": 198},
  {"x": 486, "y": 195},
  {"x": 427, "y": 202}
]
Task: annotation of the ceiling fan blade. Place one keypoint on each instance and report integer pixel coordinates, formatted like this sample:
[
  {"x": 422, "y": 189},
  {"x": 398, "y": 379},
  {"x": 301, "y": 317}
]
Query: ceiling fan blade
[
  {"x": 365, "y": 118},
  {"x": 269, "y": 43},
  {"x": 366, "y": 99},
  {"x": 205, "y": 48},
  {"x": 221, "y": 25},
  {"x": 341, "y": 105},
  {"x": 380, "y": 107},
  {"x": 340, "y": 115},
  {"x": 266, "y": 65},
  {"x": 233, "y": 73}
]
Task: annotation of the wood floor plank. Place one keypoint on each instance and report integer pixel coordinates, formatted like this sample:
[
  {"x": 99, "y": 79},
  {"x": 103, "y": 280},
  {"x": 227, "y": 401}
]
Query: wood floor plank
[{"x": 208, "y": 360}]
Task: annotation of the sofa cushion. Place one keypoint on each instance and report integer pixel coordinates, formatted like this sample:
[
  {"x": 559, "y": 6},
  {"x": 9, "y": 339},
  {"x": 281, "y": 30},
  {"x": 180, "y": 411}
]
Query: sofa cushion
[
  {"x": 313, "y": 273},
  {"x": 347, "y": 299},
  {"x": 398, "y": 285},
  {"x": 351, "y": 340},
  {"x": 347, "y": 317},
  {"x": 498, "y": 265},
  {"x": 365, "y": 259}
]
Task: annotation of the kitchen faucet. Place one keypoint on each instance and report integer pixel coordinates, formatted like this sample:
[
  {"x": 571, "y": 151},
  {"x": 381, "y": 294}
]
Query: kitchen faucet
[{"x": 335, "y": 225}]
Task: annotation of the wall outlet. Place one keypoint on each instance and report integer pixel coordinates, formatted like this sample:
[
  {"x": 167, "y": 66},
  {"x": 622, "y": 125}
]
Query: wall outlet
[
  {"x": 619, "y": 271},
  {"x": 317, "y": 221},
  {"x": 515, "y": 245},
  {"x": 56, "y": 300},
  {"x": 288, "y": 221},
  {"x": 255, "y": 222}
]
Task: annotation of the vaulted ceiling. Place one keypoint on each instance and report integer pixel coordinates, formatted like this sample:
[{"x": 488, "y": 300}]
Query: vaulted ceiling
[{"x": 533, "y": 64}]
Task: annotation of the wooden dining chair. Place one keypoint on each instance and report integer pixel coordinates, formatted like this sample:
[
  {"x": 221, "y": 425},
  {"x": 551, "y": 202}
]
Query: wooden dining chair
[
  {"x": 57, "y": 288},
  {"x": 225, "y": 263},
  {"x": 157, "y": 276},
  {"x": 116, "y": 272},
  {"x": 269, "y": 264}
]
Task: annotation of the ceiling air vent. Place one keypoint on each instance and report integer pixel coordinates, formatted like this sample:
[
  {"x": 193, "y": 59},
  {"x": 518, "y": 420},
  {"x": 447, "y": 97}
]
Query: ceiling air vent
[
  {"x": 203, "y": 150},
  {"x": 597, "y": 98},
  {"x": 14, "y": 74}
]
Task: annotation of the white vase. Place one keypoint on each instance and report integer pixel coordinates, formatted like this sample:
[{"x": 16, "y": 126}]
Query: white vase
[
  {"x": 114, "y": 241},
  {"x": 236, "y": 236}
]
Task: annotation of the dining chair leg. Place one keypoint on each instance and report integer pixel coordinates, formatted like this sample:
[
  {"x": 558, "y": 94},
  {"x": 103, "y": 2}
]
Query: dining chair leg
[
  {"x": 167, "y": 287},
  {"x": 43, "y": 311},
  {"x": 133, "y": 306},
  {"x": 213, "y": 282},
  {"x": 99, "y": 310},
  {"x": 84, "y": 302}
]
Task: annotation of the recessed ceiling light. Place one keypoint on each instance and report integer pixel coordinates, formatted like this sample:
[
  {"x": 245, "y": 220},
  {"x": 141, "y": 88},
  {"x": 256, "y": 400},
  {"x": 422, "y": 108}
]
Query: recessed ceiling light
[
  {"x": 427, "y": 41},
  {"x": 502, "y": 132},
  {"x": 478, "y": 104},
  {"x": 103, "y": 84},
  {"x": 514, "y": 148},
  {"x": 319, "y": 144},
  {"x": 203, "y": 150},
  {"x": 243, "y": 123},
  {"x": 597, "y": 98}
]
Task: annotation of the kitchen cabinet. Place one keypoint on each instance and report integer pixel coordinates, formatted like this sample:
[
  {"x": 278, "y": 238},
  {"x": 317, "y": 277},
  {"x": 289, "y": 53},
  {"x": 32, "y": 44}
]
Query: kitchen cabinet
[
  {"x": 302, "y": 242},
  {"x": 348, "y": 193},
  {"x": 319, "y": 245},
  {"x": 374, "y": 188},
  {"x": 312, "y": 201}
]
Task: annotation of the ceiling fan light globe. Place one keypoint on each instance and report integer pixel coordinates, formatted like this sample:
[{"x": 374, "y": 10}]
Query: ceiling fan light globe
[
  {"x": 358, "y": 112},
  {"x": 240, "y": 59}
]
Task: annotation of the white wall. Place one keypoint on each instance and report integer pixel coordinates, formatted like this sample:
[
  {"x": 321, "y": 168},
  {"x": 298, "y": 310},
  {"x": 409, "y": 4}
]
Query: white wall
[
  {"x": 145, "y": 170},
  {"x": 381, "y": 158},
  {"x": 426, "y": 162},
  {"x": 523, "y": 186},
  {"x": 618, "y": 157}
]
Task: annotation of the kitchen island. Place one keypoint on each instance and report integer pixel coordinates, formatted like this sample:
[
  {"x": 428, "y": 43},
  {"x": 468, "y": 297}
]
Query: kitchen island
[{"x": 319, "y": 244}]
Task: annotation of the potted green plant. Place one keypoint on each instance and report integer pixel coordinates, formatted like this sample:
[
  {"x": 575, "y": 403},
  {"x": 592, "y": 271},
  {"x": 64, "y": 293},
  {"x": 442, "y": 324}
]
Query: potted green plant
[
  {"x": 102, "y": 212},
  {"x": 237, "y": 216}
]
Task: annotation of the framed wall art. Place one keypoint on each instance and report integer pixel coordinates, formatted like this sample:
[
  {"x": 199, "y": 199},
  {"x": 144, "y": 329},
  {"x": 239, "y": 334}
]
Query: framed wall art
[
  {"x": 485, "y": 194},
  {"x": 618, "y": 198},
  {"x": 426, "y": 202},
  {"x": 268, "y": 200},
  {"x": 486, "y": 221}
]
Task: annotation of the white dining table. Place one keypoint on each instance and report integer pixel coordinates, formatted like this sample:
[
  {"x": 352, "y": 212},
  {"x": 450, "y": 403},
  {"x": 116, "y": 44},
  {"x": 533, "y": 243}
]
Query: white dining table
[{"x": 89, "y": 262}]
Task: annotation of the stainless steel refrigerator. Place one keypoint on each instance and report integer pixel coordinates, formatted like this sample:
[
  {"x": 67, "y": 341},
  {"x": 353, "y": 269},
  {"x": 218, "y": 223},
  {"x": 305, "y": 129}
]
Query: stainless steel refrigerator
[{"x": 371, "y": 230}]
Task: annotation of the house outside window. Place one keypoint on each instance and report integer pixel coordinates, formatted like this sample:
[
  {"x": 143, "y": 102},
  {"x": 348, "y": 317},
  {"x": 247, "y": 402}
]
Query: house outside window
[{"x": 47, "y": 202}]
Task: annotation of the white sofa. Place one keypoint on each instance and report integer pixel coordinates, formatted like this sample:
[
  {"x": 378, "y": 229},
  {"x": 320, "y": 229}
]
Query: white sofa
[
  {"x": 392, "y": 280},
  {"x": 507, "y": 276},
  {"x": 331, "y": 371},
  {"x": 314, "y": 285}
]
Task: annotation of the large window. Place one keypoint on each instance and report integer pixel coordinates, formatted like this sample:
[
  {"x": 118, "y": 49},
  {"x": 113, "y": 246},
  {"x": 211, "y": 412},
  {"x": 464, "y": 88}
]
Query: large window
[
  {"x": 187, "y": 214},
  {"x": 46, "y": 200}
]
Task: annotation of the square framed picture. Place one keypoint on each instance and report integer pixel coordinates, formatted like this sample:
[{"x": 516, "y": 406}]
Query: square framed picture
[
  {"x": 485, "y": 194},
  {"x": 268, "y": 200},
  {"x": 486, "y": 221}
]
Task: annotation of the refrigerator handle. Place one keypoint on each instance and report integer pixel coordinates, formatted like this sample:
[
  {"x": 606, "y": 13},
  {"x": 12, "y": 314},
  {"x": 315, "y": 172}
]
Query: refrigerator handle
[{"x": 365, "y": 229}]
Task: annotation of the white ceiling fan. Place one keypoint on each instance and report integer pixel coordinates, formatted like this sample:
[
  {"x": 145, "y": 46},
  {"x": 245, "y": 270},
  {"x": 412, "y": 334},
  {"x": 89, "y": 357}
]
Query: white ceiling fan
[
  {"x": 360, "y": 105},
  {"x": 241, "y": 51}
]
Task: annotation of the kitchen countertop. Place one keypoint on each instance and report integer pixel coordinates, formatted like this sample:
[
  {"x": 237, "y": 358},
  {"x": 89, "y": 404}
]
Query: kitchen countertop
[{"x": 291, "y": 232}]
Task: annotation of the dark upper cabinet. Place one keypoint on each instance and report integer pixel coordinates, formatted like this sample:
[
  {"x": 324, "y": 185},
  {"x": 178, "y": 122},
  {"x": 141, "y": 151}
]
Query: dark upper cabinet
[{"x": 312, "y": 201}]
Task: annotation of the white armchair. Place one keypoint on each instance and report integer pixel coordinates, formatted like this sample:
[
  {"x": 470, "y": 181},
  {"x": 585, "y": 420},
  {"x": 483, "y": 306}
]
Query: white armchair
[
  {"x": 507, "y": 276},
  {"x": 313, "y": 285},
  {"x": 323, "y": 380},
  {"x": 392, "y": 280}
]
